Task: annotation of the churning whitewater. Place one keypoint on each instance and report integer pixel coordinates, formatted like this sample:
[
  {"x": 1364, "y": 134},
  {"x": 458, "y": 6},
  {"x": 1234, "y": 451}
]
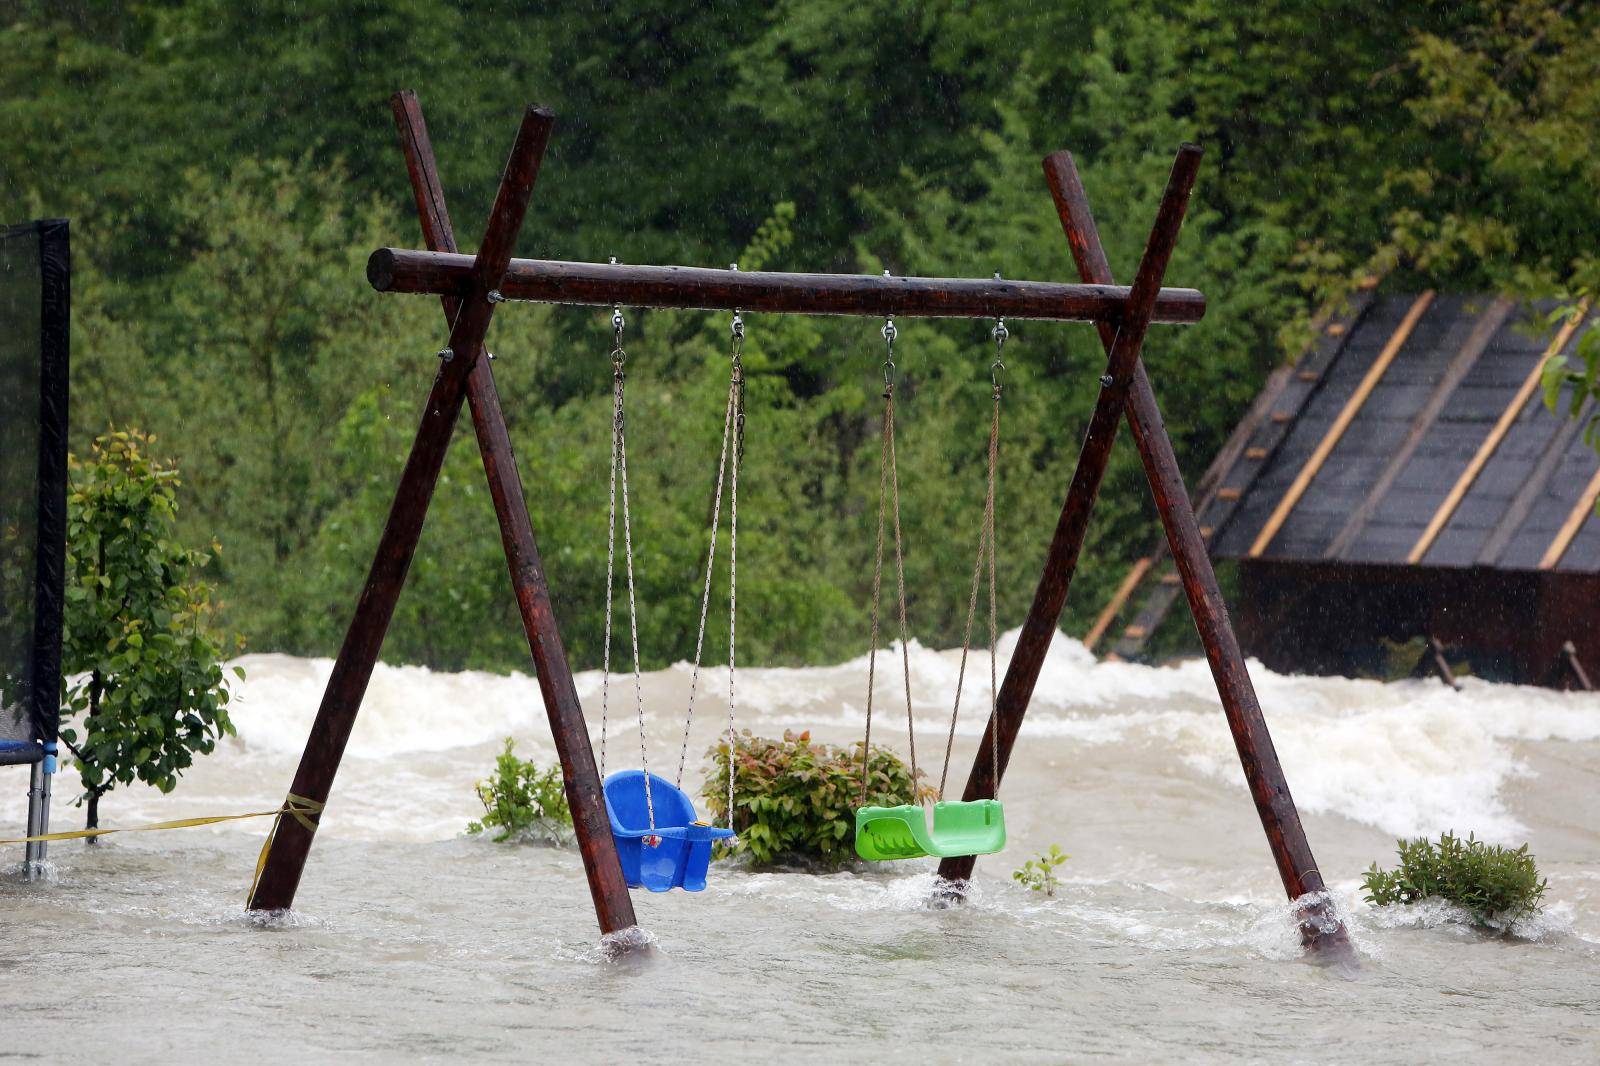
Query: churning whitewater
[{"x": 1169, "y": 942}]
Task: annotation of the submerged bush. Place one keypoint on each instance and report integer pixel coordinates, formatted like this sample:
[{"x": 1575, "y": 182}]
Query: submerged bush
[
  {"x": 796, "y": 801},
  {"x": 523, "y": 801},
  {"x": 1496, "y": 885},
  {"x": 1039, "y": 874}
]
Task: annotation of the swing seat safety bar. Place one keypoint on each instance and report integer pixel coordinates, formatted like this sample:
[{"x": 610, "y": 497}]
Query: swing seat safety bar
[{"x": 977, "y": 827}]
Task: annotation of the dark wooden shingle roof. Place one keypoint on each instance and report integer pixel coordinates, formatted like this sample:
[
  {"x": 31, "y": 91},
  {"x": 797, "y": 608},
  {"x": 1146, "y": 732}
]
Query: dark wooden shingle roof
[{"x": 1416, "y": 431}]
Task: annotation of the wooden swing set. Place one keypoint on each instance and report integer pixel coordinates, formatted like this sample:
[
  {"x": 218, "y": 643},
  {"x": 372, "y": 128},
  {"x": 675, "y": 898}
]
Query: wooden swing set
[{"x": 464, "y": 284}]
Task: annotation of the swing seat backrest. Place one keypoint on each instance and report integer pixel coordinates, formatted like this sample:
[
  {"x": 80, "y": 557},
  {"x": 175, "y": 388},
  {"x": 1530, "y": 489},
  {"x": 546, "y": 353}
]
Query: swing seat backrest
[
  {"x": 976, "y": 828},
  {"x": 630, "y": 808},
  {"x": 676, "y": 853}
]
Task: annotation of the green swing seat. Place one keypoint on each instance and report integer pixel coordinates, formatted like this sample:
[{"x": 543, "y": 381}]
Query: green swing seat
[{"x": 975, "y": 828}]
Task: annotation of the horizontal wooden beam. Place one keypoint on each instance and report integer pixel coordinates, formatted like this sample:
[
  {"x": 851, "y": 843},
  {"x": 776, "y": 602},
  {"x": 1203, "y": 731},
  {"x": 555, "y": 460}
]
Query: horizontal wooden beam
[{"x": 604, "y": 284}]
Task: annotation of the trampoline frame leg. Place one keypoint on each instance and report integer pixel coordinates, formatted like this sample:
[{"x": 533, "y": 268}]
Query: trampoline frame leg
[{"x": 38, "y": 815}]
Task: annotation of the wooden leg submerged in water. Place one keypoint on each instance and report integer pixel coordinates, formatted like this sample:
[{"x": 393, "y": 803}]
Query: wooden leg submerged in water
[
  {"x": 607, "y": 888},
  {"x": 289, "y": 844},
  {"x": 1061, "y": 561},
  {"x": 1320, "y": 926}
]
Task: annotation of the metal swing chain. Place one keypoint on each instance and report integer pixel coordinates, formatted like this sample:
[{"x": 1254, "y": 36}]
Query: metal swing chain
[
  {"x": 888, "y": 490},
  {"x": 618, "y": 356},
  {"x": 733, "y": 541},
  {"x": 995, "y": 370},
  {"x": 619, "y": 464},
  {"x": 733, "y": 412},
  {"x": 986, "y": 539}
]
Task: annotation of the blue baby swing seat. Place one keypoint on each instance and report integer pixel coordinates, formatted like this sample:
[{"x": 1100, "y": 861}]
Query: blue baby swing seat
[{"x": 676, "y": 852}]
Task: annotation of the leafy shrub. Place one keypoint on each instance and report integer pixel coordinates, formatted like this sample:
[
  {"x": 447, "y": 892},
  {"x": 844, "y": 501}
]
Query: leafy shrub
[
  {"x": 143, "y": 667},
  {"x": 1039, "y": 875},
  {"x": 523, "y": 801},
  {"x": 795, "y": 801},
  {"x": 1497, "y": 885}
]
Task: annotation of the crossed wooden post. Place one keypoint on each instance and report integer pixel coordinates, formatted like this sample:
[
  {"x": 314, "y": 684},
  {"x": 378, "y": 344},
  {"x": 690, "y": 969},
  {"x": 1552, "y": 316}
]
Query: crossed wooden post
[
  {"x": 464, "y": 285},
  {"x": 1126, "y": 387},
  {"x": 464, "y": 372}
]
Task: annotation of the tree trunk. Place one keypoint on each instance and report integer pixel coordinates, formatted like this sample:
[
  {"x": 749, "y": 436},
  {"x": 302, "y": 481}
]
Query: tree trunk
[{"x": 93, "y": 820}]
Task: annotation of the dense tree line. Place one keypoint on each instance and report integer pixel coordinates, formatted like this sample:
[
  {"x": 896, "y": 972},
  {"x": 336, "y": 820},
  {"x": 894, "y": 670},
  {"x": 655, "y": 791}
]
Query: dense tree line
[{"x": 229, "y": 167}]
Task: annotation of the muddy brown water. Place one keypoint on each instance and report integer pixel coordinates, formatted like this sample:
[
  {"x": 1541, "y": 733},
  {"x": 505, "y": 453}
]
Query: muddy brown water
[{"x": 1169, "y": 940}]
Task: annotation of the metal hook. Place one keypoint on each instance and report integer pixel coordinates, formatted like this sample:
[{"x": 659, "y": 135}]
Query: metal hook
[
  {"x": 496, "y": 297},
  {"x": 1000, "y": 335},
  {"x": 889, "y": 334},
  {"x": 736, "y": 330},
  {"x": 618, "y": 324}
]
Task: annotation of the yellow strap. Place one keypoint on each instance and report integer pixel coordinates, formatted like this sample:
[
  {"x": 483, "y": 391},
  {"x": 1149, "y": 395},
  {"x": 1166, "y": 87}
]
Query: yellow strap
[
  {"x": 297, "y": 806},
  {"x": 302, "y": 810}
]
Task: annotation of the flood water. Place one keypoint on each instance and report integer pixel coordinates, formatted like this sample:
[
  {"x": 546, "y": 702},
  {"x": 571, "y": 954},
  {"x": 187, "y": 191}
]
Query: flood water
[{"x": 1170, "y": 940}]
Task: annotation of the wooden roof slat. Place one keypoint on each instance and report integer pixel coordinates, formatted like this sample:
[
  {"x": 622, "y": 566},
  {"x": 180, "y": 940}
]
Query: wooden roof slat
[
  {"x": 1501, "y": 427},
  {"x": 1249, "y": 448},
  {"x": 1569, "y": 529},
  {"x": 1347, "y": 415},
  {"x": 1533, "y": 487},
  {"x": 1488, "y": 325},
  {"x": 1267, "y": 425},
  {"x": 1118, "y": 599}
]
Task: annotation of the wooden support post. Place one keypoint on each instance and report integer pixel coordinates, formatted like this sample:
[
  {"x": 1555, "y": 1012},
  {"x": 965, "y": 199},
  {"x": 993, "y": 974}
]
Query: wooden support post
[
  {"x": 1440, "y": 664},
  {"x": 612, "y": 903},
  {"x": 1061, "y": 561},
  {"x": 1321, "y": 928},
  {"x": 290, "y": 841},
  {"x": 1569, "y": 655}
]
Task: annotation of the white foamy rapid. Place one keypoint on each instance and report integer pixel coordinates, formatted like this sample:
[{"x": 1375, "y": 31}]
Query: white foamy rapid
[{"x": 1407, "y": 758}]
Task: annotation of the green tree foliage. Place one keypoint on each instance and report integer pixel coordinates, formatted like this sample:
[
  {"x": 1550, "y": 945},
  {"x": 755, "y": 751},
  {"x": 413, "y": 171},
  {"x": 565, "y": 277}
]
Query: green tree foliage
[
  {"x": 1496, "y": 885},
  {"x": 230, "y": 166},
  {"x": 145, "y": 685},
  {"x": 1572, "y": 381},
  {"x": 795, "y": 801}
]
